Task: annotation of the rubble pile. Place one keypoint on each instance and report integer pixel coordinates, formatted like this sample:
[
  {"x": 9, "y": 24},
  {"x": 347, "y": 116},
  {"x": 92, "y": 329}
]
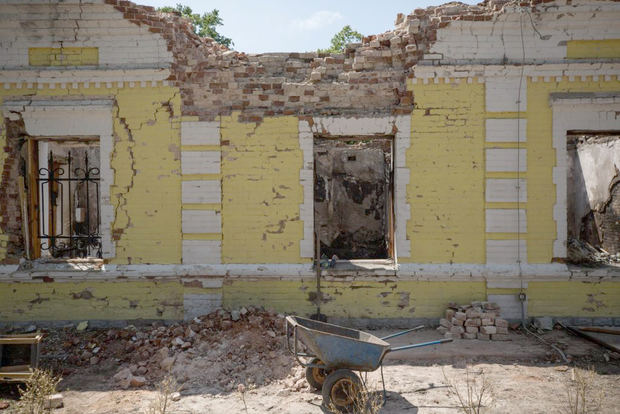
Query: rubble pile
[
  {"x": 479, "y": 320},
  {"x": 216, "y": 351},
  {"x": 583, "y": 253}
]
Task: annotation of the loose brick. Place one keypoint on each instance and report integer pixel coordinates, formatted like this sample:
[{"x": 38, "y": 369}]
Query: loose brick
[
  {"x": 489, "y": 330},
  {"x": 450, "y": 335},
  {"x": 473, "y": 322},
  {"x": 483, "y": 337},
  {"x": 442, "y": 330},
  {"x": 450, "y": 314},
  {"x": 457, "y": 322},
  {"x": 471, "y": 329},
  {"x": 457, "y": 330},
  {"x": 503, "y": 323},
  {"x": 460, "y": 316},
  {"x": 486, "y": 321},
  {"x": 473, "y": 313},
  {"x": 468, "y": 335},
  {"x": 501, "y": 330},
  {"x": 445, "y": 322}
]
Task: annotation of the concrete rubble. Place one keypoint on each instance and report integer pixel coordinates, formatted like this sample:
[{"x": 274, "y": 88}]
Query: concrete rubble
[{"x": 218, "y": 351}]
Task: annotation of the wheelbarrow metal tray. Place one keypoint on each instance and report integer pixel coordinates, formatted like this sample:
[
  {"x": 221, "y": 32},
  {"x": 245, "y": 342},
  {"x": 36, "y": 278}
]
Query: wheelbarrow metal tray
[{"x": 339, "y": 347}]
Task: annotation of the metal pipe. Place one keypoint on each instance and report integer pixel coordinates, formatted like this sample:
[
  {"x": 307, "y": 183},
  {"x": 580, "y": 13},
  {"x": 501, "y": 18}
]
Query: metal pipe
[
  {"x": 402, "y": 333},
  {"x": 402, "y": 348}
]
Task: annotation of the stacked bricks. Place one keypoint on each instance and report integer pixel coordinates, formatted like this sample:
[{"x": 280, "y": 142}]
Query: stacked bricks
[{"x": 479, "y": 320}]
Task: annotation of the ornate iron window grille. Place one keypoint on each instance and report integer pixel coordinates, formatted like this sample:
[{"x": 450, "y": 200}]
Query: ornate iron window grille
[{"x": 83, "y": 238}]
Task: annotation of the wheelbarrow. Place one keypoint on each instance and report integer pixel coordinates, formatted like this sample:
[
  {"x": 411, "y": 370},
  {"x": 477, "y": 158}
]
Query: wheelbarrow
[{"x": 333, "y": 352}]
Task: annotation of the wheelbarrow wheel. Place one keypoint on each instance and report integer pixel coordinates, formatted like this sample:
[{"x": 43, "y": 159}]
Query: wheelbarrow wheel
[
  {"x": 342, "y": 391},
  {"x": 316, "y": 376}
]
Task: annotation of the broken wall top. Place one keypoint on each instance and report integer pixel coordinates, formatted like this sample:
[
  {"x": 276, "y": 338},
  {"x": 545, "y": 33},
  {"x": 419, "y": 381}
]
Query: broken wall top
[{"x": 368, "y": 77}]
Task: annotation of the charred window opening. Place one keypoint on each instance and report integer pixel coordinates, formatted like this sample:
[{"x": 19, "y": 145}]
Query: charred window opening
[
  {"x": 353, "y": 197},
  {"x": 593, "y": 199}
]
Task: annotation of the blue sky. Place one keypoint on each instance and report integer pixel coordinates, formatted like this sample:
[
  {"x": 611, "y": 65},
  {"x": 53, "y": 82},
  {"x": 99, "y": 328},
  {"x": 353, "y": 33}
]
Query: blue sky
[{"x": 298, "y": 26}]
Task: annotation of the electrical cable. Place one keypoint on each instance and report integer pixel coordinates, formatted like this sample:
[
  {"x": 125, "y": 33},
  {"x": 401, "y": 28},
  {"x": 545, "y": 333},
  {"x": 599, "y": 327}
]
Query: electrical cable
[{"x": 522, "y": 296}]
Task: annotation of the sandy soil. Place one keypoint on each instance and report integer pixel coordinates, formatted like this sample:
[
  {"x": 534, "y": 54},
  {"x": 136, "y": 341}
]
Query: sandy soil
[{"x": 524, "y": 374}]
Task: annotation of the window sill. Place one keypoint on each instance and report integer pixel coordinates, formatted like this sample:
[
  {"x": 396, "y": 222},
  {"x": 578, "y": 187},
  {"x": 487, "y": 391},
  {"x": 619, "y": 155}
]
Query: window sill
[
  {"x": 365, "y": 266},
  {"x": 88, "y": 264}
]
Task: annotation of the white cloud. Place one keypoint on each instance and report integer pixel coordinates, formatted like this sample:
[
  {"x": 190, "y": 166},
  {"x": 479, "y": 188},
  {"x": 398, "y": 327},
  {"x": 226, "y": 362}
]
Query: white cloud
[{"x": 317, "y": 20}]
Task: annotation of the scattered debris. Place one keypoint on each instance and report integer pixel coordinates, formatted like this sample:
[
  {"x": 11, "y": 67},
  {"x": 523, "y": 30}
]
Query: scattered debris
[
  {"x": 82, "y": 326},
  {"x": 545, "y": 323},
  {"x": 53, "y": 401},
  {"x": 609, "y": 341},
  {"x": 219, "y": 350},
  {"x": 583, "y": 253}
]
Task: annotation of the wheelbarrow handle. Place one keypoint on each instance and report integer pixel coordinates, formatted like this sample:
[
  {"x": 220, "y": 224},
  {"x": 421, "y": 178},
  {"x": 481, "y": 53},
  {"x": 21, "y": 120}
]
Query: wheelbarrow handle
[
  {"x": 294, "y": 350},
  {"x": 417, "y": 328},
  {"x": 402, "y": 348}
]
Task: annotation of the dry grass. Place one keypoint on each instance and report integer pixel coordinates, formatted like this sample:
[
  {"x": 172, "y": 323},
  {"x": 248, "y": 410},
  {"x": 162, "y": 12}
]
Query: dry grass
[
  {"x": 241, "y": 389},
  {"x": 165, "y": 389},
  {"x": 582, "y": 395},
  {"x": 364, "y": 402},
  {"x": 33, "y": 396},
  {"x": 473, "y": 394}
]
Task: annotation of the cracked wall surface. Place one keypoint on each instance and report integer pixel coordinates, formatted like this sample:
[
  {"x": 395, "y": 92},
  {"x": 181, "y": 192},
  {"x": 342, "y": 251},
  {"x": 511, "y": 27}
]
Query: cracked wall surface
[
  {"x": 147, "y": 187},
  {"x": 211, "y": 162},
  {"x": 261, "y": 192}
]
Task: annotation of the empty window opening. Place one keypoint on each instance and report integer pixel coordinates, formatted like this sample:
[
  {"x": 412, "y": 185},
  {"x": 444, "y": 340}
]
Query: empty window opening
[
  {"x": 593, "y": 198},
  {"x": 353, "y": 187},
  {"x": 68, "y": 198}
]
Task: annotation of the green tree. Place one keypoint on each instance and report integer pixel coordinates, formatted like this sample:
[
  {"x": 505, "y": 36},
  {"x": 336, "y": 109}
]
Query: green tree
[
  {"x": 340, "y": 40},
  {"x": 204, "y": 25}
]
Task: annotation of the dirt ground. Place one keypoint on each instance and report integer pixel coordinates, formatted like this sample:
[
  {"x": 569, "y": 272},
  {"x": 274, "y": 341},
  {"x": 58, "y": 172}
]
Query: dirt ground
[{"x": 525, "y": 376}]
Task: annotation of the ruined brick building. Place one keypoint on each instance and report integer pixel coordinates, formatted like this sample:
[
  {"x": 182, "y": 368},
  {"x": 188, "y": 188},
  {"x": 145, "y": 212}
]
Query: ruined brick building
[{"x": 148, "y": 173}]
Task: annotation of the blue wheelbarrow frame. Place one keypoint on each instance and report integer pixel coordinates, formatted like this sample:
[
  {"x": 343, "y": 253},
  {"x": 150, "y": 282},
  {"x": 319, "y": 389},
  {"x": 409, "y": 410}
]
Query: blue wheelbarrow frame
[{"x": 343, "y": 348}]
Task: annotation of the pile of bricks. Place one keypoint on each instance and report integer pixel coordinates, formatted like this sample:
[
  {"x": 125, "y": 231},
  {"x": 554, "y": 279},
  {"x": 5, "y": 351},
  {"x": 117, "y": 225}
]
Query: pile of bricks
[{"x": 480, "y": 320}]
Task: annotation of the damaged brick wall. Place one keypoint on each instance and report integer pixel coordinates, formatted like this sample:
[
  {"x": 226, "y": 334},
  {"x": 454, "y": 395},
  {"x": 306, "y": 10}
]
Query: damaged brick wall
[
  {"x": 11, "y": 235},
  {"x": 369, "y": 77},
  {"x": 594, "y": 190}
]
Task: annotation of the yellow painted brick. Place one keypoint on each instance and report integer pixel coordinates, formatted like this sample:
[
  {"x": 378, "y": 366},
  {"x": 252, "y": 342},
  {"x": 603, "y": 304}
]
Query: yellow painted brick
[
  {"x": 593, "y": 49},
  {"x": 261, "y": 192},
  {"x": 446, "y": 190},
  {"x": 67, "y": 56},
  {"x": 582, "y": 299},
  {"x": 90, "y": 300}
]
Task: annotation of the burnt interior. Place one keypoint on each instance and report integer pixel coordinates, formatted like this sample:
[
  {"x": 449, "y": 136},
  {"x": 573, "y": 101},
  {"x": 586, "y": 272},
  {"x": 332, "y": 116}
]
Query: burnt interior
[
  {"x": 593, "y": 184},
  {"x": 353, "y": 197}
]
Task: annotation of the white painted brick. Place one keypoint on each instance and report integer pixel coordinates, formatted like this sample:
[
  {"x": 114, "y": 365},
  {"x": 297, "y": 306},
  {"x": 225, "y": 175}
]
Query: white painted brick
[
  {"x": 200, "y": 162},
  {"x": 202, "y": 251},
  {"x": 201, "y": 221},
  {"x": 201, "y": 191},
  {"x": 506, "y": 251},
  {"x": 505, "y": 190},
  {"x": 200, "y": 133},
  {"x": 505, "y": 220},
  {"x": 505, "y": 130},
  {"x": 506, "y": 159},
  {"x": 502, "y": 94},
  {"x": 198, "y": 304},
  {"x": 510, "y": 305}
]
